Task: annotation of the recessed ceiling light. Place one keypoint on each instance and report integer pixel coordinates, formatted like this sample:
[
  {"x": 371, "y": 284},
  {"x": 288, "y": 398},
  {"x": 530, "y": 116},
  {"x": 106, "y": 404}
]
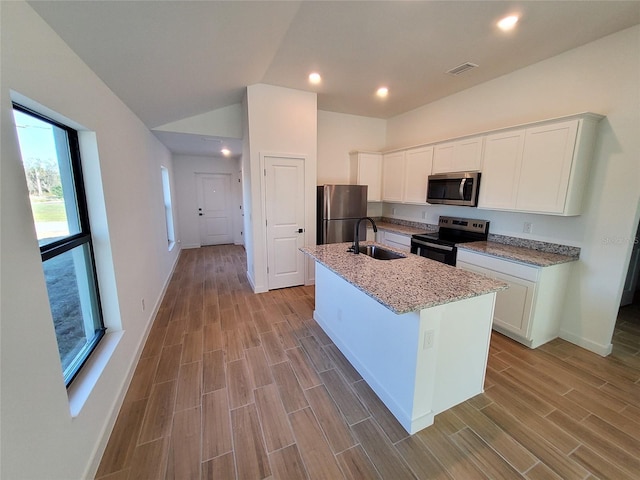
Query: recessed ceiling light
[
  {"x": 382, "y": 92},
  {"x": 226, "y": 152},
  {"x": 507, "y": 23},
  {"x": 315, "y": 78}
]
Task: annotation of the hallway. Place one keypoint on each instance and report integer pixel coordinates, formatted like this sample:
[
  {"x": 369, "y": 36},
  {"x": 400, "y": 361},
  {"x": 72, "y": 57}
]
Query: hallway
[{"x": 236, "y": 385}]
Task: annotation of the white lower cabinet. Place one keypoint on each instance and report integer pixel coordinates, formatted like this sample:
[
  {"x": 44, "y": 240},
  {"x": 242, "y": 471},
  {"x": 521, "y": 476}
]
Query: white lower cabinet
[
  {"x": 371, "y": 235},
  {"x": 530, "y": 310},
  {"x": 395, "y": 240}
]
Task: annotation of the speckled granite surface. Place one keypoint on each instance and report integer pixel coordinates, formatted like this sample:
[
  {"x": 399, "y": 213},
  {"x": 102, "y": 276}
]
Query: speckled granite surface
[
  {"x": 536, "y": 245},
  {"x": 517, "y": 254},
  {"x": 421, "y": 226},
  {"x": 403, "y": 227},
  {"x": 399, "y": 229},
  {"x": 404, "y": 285}
]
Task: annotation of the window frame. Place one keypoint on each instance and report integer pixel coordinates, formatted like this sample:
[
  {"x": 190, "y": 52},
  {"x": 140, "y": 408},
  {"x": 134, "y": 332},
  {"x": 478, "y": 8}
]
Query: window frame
[
  {"x": 168, "y": 206},
  {"x": 66, "y": 244}
]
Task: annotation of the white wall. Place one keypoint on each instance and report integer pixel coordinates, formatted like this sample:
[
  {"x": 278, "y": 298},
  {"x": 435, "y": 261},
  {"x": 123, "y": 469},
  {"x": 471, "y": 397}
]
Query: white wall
[
  {"x": 247, "y": 188},
  {"x": 602, "y": 77},
  {"x": 281, "y": 121},
  {"x": 40, "y": 439},
  {"x": 223, "y": 122},
  {"x": 186, "y": 167},
  {"x": 338, "y": 134}
]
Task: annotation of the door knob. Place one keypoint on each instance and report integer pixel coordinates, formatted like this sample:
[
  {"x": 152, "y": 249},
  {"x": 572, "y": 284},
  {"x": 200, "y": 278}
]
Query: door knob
[{"x": 300, "y": 230}]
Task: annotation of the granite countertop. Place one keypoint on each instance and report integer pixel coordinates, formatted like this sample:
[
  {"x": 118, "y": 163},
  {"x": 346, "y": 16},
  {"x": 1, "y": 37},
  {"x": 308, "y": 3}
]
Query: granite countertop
[
  {"x": 399, "y": 229},
  {"x": 403, "y": 285},
  {"x": 524, "y": 255}
]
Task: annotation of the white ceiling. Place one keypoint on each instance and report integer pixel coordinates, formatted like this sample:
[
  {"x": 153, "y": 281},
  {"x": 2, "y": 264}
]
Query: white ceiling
[
  {"x": 199, "y": 145},
  {"x": 169, "y": 60}
]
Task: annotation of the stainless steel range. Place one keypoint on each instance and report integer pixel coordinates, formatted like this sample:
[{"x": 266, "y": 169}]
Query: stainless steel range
[{"x": 441, "y": 245}]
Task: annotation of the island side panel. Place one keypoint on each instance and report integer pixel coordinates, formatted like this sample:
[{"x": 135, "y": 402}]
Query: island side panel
[
  {"x": 461, "y": 346},
  {"x": 381, "y": 345}
]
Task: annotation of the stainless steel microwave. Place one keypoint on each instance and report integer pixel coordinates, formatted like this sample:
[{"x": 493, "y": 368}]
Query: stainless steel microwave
[{"x": 459, "y": 188}]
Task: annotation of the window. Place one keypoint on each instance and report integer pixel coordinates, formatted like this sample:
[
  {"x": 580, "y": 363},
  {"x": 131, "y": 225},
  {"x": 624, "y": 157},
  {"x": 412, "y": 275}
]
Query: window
[
  {"x": 168, "y": 210},
  {"x": 51, "y": 160}
]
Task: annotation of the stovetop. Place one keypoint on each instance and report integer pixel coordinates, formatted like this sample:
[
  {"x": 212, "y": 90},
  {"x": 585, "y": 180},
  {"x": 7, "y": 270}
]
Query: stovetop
[{"x": 457, "y": 230}]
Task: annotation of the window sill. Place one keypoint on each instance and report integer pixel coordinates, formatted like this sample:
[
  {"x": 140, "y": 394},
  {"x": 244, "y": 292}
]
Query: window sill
[{"x": 82, "y": 386}]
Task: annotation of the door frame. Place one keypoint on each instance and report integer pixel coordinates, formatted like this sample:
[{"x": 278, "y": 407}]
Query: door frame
[
  {"x": 263, "y": 208},
  {"x": 631, "y": 269}
]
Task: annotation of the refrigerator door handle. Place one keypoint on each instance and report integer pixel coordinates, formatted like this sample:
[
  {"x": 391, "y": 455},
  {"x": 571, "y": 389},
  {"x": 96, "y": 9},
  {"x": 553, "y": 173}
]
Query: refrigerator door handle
[{"x": 327, "y": 205}]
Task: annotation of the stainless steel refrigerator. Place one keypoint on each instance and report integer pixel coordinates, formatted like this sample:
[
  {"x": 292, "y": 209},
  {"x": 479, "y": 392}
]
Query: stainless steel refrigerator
[{"x": 339, "y": 208}]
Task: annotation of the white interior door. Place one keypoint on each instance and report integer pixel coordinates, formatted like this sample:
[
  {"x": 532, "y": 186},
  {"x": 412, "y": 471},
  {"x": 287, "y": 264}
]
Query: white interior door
[
  {"x": 284, "y": 200},
  {"x": 215, "y": 201}
]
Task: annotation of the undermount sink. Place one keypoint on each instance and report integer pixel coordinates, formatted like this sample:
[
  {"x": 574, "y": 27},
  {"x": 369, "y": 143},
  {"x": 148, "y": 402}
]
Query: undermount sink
[{"x": 379, "y": 253}]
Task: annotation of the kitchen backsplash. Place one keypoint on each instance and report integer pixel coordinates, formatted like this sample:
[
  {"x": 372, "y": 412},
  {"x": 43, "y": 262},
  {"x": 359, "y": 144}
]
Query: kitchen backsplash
[{"x": 504, "y": 239}]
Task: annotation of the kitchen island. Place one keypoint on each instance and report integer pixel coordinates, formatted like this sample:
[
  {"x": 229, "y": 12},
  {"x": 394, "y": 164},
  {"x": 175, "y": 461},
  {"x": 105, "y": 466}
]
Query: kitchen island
[{"x": 417, "y": 330}]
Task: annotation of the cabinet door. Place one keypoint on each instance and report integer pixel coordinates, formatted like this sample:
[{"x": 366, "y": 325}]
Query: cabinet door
[
  {"x": 513, "y": 309},
  {"x": 393, "y": 166},
  {"x": 443, "y": 158},
  {"x": 467, "y": 155},
  {"x": 459, "y": 156},
  {"x": 417, "y": 170},
  {"x": 513, "y": 305},
  {"x": 501, "y": 170},
  {"x": 370, "y": 173},
  {"x": 546, "y": 167}
]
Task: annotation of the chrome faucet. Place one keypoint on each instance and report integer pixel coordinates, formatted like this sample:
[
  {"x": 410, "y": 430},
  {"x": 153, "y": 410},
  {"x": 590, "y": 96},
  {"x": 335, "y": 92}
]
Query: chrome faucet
[{"x": 356, "y": 233}]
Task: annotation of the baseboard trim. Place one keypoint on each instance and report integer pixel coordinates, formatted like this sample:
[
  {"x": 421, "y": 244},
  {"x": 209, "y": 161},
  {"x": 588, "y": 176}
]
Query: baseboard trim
[
  {"x": 602, "y": 350},
  {"x": 112, "y": 415}
]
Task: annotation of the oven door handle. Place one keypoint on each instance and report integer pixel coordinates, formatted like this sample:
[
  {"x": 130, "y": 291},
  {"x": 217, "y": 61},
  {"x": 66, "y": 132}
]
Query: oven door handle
[
  {"x": 461, "y": 190},
  {"x": 433, "y": 245}
]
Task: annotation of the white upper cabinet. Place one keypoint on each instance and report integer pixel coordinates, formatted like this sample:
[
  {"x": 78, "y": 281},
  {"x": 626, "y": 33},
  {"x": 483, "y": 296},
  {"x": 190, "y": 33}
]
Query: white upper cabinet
[
  {"x": 539, "y": 169},
  {"x": 458, "y": 156},
  {"x": 393, "y": 168},
  {"x": 546, "y": 166},
  {"x": 366, "y": 169},
  {"x": 501, "y": 170},
  {"x": 418, "y": 162},
  {"x": 405, "y": 175}
]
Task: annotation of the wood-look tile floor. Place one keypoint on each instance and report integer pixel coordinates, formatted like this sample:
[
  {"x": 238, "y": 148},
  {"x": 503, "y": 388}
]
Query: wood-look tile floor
[{"x": 236, "y": 385}]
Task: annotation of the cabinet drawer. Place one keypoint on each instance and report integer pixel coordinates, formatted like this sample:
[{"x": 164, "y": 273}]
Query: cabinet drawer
[
  {"x": 397, "y": 238},
  {"x": 526, "y": 272}
]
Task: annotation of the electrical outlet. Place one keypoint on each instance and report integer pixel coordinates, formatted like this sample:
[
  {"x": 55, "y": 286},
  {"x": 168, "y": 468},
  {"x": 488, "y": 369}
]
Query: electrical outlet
[
  {"x": 393, "y": 211},
  {"x": 424, "y": 215},
  {"x": 528, "y": 227}
]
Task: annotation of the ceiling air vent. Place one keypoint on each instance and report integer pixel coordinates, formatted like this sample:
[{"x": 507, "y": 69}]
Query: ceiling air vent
[{"x": 461, "y": 68}]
